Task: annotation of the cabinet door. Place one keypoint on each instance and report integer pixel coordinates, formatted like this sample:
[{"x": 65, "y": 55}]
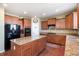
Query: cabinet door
[
  {"x": 57, "y": 39},
  {"x": 78, "y": 15},
  {"x": 69, "y": 21},
  {"x": 60, "y": 40},
  {"x": 51, "y": 21},
  {"x": 35, "y": 48},
  {"x": 44, "y": 24},
  {"x": 43, "y": 44},
  {"x": 16, "y": 49},
  {"x": 50, "y": 39},
  {"x": 27, "y": 23},
  {"x": 27, "y": 52},
  {"x": 38, "y": 46},
  {"x": 60, "y": 23}
]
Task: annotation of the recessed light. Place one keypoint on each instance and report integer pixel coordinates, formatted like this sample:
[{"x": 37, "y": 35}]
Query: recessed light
[
  {"x": 35, "y": 16},
  {"x": 56, "y": 10},
  {"x": 44, "y": 14},
  {"x": 5, "y": 5},
  {"x": 25, "y": 12}
]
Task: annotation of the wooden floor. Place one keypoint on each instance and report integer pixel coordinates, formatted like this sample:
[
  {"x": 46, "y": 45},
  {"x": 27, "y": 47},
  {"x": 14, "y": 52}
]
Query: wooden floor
[{"x": 51, "y": 50}]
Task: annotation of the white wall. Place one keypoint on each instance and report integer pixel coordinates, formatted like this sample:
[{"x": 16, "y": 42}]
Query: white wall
[{"x": 1, "y": 30}]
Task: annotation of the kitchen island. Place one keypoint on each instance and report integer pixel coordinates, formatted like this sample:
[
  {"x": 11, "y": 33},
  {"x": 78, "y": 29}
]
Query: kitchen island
[{"x": 27, "y": 46}]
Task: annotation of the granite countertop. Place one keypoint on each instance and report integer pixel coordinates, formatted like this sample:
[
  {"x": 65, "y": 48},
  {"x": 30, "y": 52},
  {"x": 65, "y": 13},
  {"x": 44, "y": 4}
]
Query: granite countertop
[
  {"x": 24, "y": 40},
  {"x": 72, "y": 45},
  {"x": 60, "y": 32}
]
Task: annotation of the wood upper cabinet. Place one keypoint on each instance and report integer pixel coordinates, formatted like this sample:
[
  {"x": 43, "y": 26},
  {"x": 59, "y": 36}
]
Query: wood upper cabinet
[
  {"x": 51, "y": 21},
  {"x": 60, "y": 23},
  {"x": 27, "y": 23},
  {"x": 44, "y": 24},
  {"x": 69, "y": 21},
  {"x": 13, "y": 20},
  {"x": 78, "y": 14}
]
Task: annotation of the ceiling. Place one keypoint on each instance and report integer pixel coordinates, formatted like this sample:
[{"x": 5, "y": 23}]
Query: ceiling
[{"x": 41, "y": 10}]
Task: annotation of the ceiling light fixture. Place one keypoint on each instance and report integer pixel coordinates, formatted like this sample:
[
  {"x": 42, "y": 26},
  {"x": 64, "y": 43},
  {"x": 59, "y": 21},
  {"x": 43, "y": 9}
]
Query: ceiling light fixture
[
  {"x": 5, "y": 5},
  {"x": 44, "y": 14},
  {"x": 25, "y": 12},
  {"x": 35, "y": 16},
  {"x": 56, "y": 10}
]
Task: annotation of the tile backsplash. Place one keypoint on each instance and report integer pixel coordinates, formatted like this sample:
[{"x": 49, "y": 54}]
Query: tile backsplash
[{"x": 60, "y": 31}]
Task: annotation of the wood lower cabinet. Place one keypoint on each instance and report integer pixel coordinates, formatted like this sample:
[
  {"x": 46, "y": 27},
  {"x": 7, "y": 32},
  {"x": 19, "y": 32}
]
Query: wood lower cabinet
[
  {"x": 69, "y": 21},
  {"x": 21, "y": 50},
  {"x": 29, "y": 49},
  {"x": 27, "y": 52},
  {"x": 57, "y": 39},
  {"x": 34, "y": 48},
  {"x": 38, "y": 46}
]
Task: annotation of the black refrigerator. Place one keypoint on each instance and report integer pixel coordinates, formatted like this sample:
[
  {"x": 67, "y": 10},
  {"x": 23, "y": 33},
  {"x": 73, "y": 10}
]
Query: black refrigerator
[{"x": 11, "y": 32}]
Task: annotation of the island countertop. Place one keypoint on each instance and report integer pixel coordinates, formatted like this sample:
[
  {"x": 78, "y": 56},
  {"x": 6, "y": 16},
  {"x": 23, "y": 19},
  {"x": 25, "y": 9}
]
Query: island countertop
[
  {"x": 24, "y": 40},
  {"x": 72, "y": 46}
]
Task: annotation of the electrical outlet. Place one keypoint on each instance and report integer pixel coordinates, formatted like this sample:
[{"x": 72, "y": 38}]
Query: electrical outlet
[{"x": 14, "y": 47}]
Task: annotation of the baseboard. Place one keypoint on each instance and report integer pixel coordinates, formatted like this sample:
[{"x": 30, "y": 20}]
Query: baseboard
[{"x": 2, "y": 51}]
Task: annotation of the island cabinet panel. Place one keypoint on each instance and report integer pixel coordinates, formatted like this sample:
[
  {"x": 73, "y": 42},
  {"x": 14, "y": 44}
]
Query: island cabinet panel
[
  {"x": 23, "y": 50},
  {"x": 69, "y": 21},
  {"x": 56, "y": 39},
  {"x": 29, "y": 49},
  {"x": 38, "y": 46},
  {"x": 34, "y": 48},
  {"x": 27, "y": 52}
]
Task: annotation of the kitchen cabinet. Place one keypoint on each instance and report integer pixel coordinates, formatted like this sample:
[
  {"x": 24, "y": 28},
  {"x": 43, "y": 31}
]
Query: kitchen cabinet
[
  {"x": 38, "y": 46},
  {"x": 56, "y": 39},
  {"x": 78, "y": 15},
  {"x": 34, "y": 48},
  {"x": 44, "y": 24},
  {"x": 60, "y": 23},
  {"x": 23, "y": 50},
  {"x": 13, "y": 20},
  {"x": 69, "y": 21},
  {"x": 29, "y": 49},
  {"x": 51, "y": 21},
  {"x": 26, "y": 50},
  {"x": 72, "y": 21},
  {"x": 27, "y": 23}
]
